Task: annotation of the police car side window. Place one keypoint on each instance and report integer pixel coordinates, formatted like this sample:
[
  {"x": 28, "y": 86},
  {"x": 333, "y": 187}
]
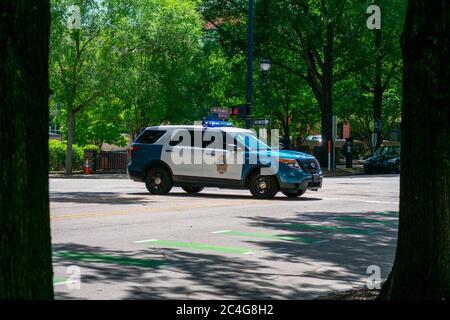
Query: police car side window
[
  {"x": 151, "y": 136},
  {"x": 213, "y": 139},
  {"x": 184, "y": 138},
  {"x": 173, "y": 143},
  {"x": 196, "y": 138},
  {"x": 205, "y": 144}
]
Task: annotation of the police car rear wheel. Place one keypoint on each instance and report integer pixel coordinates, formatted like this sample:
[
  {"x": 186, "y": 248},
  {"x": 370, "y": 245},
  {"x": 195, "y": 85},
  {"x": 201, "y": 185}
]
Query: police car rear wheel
[
  {"x": 294, "y": 194},
  {"x": 158, "y": 181},
  {"x": 263, "y": 186},
  {"x": 192, "y": 189}
]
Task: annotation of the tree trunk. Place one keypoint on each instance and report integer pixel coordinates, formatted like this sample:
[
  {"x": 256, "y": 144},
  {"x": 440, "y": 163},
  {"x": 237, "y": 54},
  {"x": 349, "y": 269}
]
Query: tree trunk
[
  {"x": 378, "y": 87},
  {"x": 422, "y": 263},
  {"x": 326, "y": 102},
  {"x": 25, "y": 246},
  {"x": 69, "y": 151}
]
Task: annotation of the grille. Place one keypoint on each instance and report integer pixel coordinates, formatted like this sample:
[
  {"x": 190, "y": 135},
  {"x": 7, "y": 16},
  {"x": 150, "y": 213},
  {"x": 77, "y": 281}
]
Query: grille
[{"x": 309, "y": 166}]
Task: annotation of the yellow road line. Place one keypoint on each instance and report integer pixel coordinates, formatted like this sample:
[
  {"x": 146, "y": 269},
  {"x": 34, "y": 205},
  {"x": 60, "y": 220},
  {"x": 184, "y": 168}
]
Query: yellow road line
[{"x": 146, "y": 210}]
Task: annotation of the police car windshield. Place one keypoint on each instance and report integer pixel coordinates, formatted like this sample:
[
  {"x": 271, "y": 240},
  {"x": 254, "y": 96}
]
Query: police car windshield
[{"x": 251, "y": 142}]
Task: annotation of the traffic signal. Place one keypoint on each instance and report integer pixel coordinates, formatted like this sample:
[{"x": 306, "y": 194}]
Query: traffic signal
[{"x": 239, "y": 110}]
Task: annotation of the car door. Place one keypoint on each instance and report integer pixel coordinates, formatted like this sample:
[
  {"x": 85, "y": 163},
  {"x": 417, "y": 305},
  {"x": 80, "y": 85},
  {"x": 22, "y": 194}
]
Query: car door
[
  {"x": 221, "y": 160},
  {"x": 183, "y": 153}
]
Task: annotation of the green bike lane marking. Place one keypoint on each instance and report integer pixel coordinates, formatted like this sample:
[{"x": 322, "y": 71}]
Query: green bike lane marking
[
  {"x": 114, "y": 259},
  {"x": 57, "y": 281},
  {"x": 197, "y": 245},
  {"x": 349, "y": 230},
  {"x": 387, "y": 213},
  {"x": 270, "y": 236},
  {"x": 362, "y": 219}
]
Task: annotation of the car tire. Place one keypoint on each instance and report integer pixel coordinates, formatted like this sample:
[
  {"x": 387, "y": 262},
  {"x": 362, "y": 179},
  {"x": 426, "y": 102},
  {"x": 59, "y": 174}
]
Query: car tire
[
  {"x": 263, "y": 186},
  {"x": 294, "y": 194},
  {"x": 397, "y": 168},
  {"x": 158, "y": 181},
  {"x": 192, "y": 189}
]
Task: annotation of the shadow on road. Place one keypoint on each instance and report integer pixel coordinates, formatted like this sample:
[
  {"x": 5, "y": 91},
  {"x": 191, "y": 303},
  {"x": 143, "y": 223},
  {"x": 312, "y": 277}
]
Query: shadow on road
[
  {"x": 355, "y": 241},
  {"x": 353, "y": 244},
  {"x": 145, "y": 197},
  {"x": 180, "y": 275},
  {"x": 206, "y": 195},
  {"x": 98, "y": 197}
]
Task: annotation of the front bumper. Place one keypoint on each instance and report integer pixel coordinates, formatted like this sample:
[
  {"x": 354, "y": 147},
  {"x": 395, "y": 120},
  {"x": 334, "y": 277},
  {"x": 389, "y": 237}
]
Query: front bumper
[
  {"x": 310, "y": 182},
  {"x": 379, "y": 167}
]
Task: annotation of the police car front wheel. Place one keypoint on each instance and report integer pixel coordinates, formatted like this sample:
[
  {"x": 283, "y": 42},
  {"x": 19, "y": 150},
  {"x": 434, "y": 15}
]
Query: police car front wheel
[
  {"x": 158, "y": 181},
  {"x": 192, "y": 189},
  {"x": 293, "y": 194},
  {"x": 263, "y": 186}
]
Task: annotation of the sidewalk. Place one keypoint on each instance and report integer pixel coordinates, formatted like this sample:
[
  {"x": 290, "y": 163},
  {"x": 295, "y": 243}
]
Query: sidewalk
[
  {"x": 338, "y": 172},
  {"x": 341, "y": 170},
  {"x": 88, "y": 176}
]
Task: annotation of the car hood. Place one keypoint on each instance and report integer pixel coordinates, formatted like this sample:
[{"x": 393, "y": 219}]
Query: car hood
[{"x": 289, "y": 154}]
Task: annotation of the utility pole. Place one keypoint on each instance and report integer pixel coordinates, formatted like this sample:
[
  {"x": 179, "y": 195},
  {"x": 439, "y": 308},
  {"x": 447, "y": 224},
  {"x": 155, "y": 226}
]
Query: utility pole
[{"x": 249, "y": 102}]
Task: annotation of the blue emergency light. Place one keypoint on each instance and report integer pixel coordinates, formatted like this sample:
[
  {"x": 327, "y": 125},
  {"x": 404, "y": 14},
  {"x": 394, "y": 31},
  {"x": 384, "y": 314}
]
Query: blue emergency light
[{"x": 217, "y": 123}]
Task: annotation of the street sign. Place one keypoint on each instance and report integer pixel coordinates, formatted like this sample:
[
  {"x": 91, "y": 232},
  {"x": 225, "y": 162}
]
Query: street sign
[
  {"x": 221, "y": 110},
  {"x": 223, "y": 115},
  {"x": 262, "y": 122},
  {"x": 374, "y": 141},
  {"x": 377, "y": 125}
]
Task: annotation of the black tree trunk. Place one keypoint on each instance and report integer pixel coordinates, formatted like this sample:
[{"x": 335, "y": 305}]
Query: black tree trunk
[
  {"x": 422, "y": 263},
  {"x": 25, "y": 246},
  {"x": 326, "y": 101},
  {"x": 378, "y": 87},
  {"x": 69, "y": 150}
]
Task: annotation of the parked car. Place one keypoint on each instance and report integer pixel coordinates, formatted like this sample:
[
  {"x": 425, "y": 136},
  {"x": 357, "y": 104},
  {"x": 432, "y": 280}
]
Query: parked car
[
  {"x": 314, "y": 137},
  {"x": 385, "y": 160}
]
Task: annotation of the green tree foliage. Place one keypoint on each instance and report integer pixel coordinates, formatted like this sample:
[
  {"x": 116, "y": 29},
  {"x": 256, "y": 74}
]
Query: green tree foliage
[
  {"x": 370, "y": 83},
  {"x": 144, "y": 62},
  {"x": 323, "y": 50},
  {"x": 129, "y": 65},
  {"x": 165, "y": 43}
]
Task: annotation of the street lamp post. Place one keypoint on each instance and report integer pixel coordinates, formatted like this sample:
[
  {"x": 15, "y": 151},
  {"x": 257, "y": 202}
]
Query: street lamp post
[
  {"x": 265, "y": 66},
  {"x": 248, "y": 114}
]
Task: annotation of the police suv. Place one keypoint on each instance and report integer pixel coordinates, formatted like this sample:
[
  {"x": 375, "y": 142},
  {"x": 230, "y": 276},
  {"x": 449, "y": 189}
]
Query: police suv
[{"x": 194, "y": 157}]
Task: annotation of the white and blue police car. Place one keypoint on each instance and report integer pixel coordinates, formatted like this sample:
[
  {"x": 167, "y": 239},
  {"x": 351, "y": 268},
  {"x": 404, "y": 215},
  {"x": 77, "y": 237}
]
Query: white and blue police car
[{"x": 195, "y": 157}]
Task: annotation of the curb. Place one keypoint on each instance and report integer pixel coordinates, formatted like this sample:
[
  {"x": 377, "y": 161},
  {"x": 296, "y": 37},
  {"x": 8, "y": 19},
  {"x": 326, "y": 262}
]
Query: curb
[
  {"x": 326, "y": 174},
  {"x": 89, "y": 176},
  {"x": 343, "y": 173}
]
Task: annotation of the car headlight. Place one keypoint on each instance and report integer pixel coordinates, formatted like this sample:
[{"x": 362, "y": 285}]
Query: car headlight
[
  {"x": 391, "y": 161},
  {"x": 292, "y": 163}
]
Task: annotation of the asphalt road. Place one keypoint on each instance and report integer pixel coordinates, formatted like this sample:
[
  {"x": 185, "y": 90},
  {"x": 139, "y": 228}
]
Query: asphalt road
[{"x": 219, "y": 244}]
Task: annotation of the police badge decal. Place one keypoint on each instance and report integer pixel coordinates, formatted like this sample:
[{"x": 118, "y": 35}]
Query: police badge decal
[{"x": 222, "y": 165}]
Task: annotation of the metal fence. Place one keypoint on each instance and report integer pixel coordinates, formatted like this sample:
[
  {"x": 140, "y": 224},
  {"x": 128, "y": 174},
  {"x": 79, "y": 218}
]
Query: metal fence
[{"x": 112, "y": 161}]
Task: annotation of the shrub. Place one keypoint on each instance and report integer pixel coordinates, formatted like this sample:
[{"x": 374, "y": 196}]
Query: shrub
[
  {"x": 57, "y": 155},
  {"x": 91, "y": 146},
  {"x": 77, "y": 157}
]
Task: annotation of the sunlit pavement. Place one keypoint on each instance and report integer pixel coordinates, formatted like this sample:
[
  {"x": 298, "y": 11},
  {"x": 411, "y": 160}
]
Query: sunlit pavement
[{"x": 124, "y": 243}]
